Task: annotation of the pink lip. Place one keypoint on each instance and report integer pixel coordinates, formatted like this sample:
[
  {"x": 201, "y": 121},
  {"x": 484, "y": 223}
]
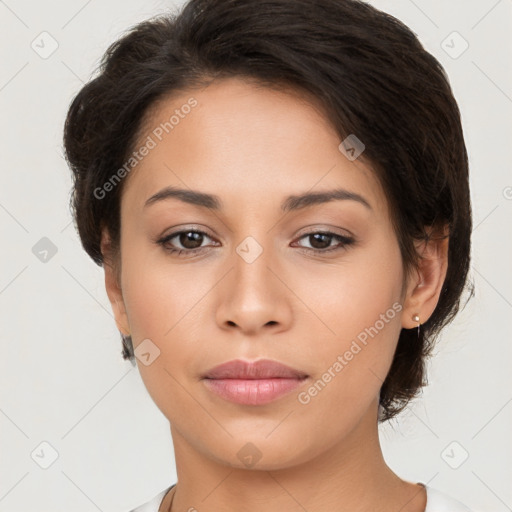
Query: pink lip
[{"x": 254, "y": 383}]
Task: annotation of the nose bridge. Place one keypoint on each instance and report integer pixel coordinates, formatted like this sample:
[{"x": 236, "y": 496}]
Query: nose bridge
[
  {"x": 253, "y": 296},
  {"x": 251, "y": 260},
  {"x": 254, "y": 247}
]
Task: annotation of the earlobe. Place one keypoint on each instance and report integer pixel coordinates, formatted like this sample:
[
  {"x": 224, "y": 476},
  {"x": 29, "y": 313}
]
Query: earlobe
[
  {"x": 112, "y": 285},
  {"x": 425, "y": 288}
]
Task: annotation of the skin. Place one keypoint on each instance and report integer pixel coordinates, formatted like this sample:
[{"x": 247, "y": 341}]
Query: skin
[{"x": 254, "y": 146}]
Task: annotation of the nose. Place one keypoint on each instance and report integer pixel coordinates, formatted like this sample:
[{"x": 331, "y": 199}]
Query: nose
[{"x": 253, "y": 297}]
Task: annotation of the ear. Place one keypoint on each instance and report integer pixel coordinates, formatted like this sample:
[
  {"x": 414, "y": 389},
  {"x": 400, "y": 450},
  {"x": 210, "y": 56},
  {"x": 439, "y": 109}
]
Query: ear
[
  {"x": 112, "y": 284},
  {"x": 426, "y": 282}
]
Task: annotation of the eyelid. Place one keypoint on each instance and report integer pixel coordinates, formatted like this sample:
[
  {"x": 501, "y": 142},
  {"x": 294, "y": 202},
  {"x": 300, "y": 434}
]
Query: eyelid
[
  {"x": 191, "y": 227},
  {"x": 325, "y": 229}
]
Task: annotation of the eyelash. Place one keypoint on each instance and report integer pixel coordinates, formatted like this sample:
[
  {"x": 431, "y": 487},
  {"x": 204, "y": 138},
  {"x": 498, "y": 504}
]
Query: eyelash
[{"x": 344, "y": 242}]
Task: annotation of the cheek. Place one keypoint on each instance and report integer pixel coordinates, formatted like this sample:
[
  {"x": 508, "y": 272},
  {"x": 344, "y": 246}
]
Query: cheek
[
  {"x": 167, "y": 303},
  {"x": 164, "y": 307},
  {"x": 159, "y": 295},
  {"x": 350, "y": 295},
  {"x": 359, "y": 306}
]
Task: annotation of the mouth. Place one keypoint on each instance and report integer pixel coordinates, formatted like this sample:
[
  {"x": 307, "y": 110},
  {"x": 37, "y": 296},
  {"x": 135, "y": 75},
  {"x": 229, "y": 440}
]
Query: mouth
[
  {"x": 261, "y": 369},
  {"x": 253, "y": 383}
]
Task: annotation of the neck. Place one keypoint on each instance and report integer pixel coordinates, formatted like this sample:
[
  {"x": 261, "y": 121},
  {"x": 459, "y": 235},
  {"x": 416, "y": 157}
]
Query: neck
[{"x": 351, "y": 476}]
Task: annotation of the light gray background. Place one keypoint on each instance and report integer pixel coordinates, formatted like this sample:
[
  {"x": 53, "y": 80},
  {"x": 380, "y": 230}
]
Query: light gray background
[{"x": 62, "y": 378}]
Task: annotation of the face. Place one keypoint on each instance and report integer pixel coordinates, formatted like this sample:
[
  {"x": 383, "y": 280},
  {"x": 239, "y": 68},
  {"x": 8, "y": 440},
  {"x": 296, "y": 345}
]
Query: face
[{"x": 315, "y": 285}]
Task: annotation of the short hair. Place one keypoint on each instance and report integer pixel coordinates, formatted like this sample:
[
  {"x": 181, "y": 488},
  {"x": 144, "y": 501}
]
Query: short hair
[{"x": 373, "y": 78}]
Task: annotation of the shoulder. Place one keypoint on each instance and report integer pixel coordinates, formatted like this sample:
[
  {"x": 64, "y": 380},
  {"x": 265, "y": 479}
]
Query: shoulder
[
  {"x": 438, "y": 501},
  {"x": 154, "y": 503}
]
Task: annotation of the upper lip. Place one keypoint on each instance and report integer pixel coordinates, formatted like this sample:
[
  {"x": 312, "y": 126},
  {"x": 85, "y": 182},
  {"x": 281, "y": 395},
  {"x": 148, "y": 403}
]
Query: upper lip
[{"x": 261, "y": 369}]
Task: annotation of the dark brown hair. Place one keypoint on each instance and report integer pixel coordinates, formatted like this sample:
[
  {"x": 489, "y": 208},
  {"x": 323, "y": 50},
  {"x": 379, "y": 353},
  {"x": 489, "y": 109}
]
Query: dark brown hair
[{"x": 373, "y": 79}]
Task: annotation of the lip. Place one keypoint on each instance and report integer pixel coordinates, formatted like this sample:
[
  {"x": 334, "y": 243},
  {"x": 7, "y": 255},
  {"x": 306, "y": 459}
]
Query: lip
[
  {"x": 253, "y": 383},
  {"x": 261, "y": 369}
]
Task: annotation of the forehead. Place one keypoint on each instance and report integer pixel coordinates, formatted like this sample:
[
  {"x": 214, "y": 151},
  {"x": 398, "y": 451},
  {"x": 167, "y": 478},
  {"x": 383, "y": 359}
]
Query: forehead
[{"x": 244, "y": 142}]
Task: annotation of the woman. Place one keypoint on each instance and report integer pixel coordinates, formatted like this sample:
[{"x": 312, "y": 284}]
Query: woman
[{"x": 278, "y": 193}]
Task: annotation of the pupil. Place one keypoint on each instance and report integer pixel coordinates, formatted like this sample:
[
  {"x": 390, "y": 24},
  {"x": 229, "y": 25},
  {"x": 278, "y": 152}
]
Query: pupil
[
  {"x": 193, "y": 237},
  {"x": 317, "y": 237}
]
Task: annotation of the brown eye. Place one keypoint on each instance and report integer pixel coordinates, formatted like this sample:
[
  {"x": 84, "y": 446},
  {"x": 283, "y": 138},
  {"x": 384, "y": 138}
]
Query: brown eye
[
  {"x": 320, "y": 241},
  {"x": 190, "y": 239},
  {"x": 187, "y": 241}
]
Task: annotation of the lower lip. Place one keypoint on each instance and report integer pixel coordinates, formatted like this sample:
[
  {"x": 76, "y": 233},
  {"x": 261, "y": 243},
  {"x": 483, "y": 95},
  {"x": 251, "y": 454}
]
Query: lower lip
[{"x": 252, "y": 391}]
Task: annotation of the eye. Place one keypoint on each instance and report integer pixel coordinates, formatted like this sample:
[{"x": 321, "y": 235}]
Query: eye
[
  {"x": 321, "y": 241},
  {"x": 190, "y": 239}
]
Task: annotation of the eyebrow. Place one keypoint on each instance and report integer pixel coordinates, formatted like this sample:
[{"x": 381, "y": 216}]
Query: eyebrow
[{"x": 291, "y": 203}]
